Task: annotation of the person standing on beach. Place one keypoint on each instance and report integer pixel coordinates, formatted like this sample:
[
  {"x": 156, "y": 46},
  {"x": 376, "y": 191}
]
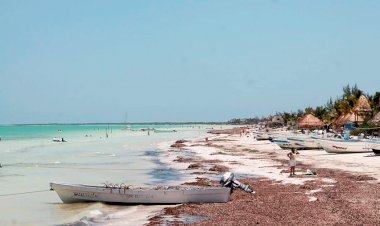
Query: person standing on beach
[{"x": 292, "y": 161}]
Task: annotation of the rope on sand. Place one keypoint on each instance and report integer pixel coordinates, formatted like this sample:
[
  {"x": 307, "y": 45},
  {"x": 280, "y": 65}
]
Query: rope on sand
[{"x": 23, "y": 193}]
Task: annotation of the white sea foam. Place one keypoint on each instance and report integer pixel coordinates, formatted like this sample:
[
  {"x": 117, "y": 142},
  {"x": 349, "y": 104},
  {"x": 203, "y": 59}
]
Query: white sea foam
[
  {"x": 95, "y": 212},
  {"x": 140, "y": 215}
]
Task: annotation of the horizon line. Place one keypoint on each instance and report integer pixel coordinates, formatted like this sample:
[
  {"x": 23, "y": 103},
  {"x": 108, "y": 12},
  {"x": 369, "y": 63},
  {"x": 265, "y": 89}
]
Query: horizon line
[{"x": 110, "y": 123}]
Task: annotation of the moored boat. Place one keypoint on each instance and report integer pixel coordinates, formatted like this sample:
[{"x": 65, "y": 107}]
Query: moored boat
[
  {"x": 164, "y": 131},
  {"x": 55, "y": 139},
  {"x": 71, "y": 193}
]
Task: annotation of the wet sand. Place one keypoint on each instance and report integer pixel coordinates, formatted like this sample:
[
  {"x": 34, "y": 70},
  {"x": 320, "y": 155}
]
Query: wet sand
[{"x": 345, "y": 191}]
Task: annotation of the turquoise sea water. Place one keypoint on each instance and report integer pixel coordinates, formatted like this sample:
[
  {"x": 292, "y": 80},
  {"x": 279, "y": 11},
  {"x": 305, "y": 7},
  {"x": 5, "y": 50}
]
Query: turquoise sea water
[
  {"x": 22, "y": 132},
  {"x": 93, "y": 154}
]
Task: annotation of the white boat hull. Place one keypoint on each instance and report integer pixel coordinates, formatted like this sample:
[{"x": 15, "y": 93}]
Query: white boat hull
[
  {"x": 376, "y": 148},
  {"x": 263, "y": 136},
  {"x": 70, "y": 193},
  {"x": 304, "y": 143},
  {"x": 345, "y": 146},
  {"x": 286, "y": 144}
]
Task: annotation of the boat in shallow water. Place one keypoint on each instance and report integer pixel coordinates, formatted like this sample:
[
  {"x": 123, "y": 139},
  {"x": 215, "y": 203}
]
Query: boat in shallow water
[{"x": 71, "y": 193}]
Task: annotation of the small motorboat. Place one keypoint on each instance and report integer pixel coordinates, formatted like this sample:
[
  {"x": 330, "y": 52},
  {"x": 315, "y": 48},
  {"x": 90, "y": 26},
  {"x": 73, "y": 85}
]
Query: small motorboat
[
  {"x": 110, "y": 193},
  {"x": 376, "y": 148},
  {"x": 264, "y": 136},
  {"x": 345, "y": 146},
  {"x": 286, "y": 144},
  {"x": 164, "y": 131},
  {"x": 304, "y": 143},
  {"x": 55, "y": 139},
  {"x": 71, "y": 193}
]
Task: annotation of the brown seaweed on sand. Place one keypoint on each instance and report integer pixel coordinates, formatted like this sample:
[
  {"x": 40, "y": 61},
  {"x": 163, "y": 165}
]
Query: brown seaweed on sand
[
  {"x": 284, "y": 204},
  {"x": 179, "y": 144},
  {"x": 195, "y": 166},
  {"x": 182, "y": 159},
  {"x": 219, "y": 168}
]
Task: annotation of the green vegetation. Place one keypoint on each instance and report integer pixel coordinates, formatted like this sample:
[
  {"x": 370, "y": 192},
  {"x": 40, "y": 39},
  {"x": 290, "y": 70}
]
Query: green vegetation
[{"x": 328, "y": 113}]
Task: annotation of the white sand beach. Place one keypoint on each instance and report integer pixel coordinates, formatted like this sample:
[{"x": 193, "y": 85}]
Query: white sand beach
[
  {"x": 247, "y": 156},
  {"x": 262, "y": 164}
]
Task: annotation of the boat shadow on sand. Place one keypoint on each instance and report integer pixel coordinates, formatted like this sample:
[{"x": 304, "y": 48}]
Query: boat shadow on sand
[{"x": 372, "y": 155}]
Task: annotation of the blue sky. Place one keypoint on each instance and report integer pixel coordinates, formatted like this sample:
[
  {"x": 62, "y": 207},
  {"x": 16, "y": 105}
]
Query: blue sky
[{"x": 95, "y": 61}]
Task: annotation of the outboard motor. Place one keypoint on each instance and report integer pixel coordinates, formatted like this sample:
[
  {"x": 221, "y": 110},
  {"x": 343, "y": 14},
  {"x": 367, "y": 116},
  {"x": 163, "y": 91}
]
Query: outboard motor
[{"x": 228, "y": 180}]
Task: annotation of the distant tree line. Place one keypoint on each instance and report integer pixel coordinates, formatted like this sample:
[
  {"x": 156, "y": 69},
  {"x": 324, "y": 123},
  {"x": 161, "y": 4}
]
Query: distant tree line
[
  {"x": 329, "y": 112},
  {"x": 238, "y": 121}
]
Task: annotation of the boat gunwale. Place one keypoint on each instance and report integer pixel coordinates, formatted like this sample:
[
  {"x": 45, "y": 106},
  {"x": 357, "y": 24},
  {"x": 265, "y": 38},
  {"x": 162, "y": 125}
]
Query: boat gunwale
[{"x": 137, "y": 189}]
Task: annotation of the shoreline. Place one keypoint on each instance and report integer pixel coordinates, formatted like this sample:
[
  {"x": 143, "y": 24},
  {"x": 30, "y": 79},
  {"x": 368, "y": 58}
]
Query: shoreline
[{"x": 344, "y": 191}]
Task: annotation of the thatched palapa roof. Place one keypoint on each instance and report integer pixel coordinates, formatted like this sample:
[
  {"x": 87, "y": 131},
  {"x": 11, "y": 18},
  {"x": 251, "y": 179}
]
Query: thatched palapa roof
[
  {"x": 310, "y": 121},
  {"x": 375, "y": 120},
  {"x": 362, "y": 105},
  {"x": 277, "y": 119},
  {"x": 349, "y": 117}
]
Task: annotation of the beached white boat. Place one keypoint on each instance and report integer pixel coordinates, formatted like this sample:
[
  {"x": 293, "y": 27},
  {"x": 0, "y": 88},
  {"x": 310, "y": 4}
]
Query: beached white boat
[
  {"x": 70, "y": 193},
  {"x": 345, "y": 146},
  {"x": 376, "y": 148},
  {"x": 286, "y": 144},
  {"x": 304, "y": 143},
  {"x": 263, "y": 136}
]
